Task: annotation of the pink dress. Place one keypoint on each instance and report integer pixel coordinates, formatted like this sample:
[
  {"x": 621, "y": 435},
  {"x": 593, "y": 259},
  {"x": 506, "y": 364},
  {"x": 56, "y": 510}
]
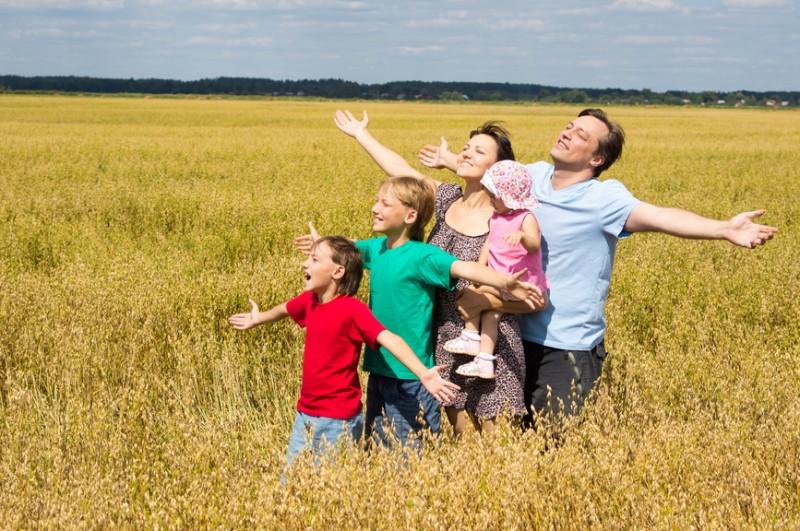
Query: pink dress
[{"x": 505, "y": 258}]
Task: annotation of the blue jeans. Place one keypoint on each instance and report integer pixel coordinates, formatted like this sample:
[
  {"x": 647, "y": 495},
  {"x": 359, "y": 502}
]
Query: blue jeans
[
  {"x": 393, "y": 410},
  {"x": 318, "y": 433}
]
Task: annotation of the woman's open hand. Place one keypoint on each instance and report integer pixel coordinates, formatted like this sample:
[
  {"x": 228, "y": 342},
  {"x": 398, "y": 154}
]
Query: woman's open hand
[
  {"x": 348, "y": 124},
  {"x": 433, "y": 156}
]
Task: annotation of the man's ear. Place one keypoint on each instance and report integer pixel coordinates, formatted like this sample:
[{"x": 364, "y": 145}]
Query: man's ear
[{"x": 597, "y": 161}]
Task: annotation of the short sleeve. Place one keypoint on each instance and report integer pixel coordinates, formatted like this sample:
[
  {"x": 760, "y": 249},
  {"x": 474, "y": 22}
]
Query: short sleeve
[
  {"x": 366, "y": 328},
  {"x": 298, "y": 307},
  {"x": 617, "y": 205},
  {"x": 446, "y": 195},
  {"x": 434, "y": 268},
  {"x": 366, "y": 248}
]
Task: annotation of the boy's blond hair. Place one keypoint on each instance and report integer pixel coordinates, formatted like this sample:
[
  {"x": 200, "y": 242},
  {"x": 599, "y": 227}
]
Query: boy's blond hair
[{"x": 414, "y": 194}]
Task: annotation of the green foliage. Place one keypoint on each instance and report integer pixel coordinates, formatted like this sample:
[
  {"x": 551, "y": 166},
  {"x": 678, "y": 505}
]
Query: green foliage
[{"x": 132, "y": 227}]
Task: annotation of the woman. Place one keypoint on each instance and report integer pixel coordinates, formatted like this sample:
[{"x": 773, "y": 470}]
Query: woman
[{"x": 462, "y": 224}]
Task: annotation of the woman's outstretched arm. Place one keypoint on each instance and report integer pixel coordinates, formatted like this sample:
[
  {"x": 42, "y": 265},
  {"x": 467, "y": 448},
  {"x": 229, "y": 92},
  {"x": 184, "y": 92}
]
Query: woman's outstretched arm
[{"x": 390, "y": 162}]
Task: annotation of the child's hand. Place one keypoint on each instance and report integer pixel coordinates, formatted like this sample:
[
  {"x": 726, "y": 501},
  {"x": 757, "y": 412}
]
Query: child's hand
[
  {"x": 243, "y": 321},
  {"x": 441, "y": 389},
  {"x": 306, "y": 241},
  {"x": 348, "y": 124},
  {"x": 433, "y": 156},
  {"x": 514, "y": 238},
  {"x": 524, "y": 291}
]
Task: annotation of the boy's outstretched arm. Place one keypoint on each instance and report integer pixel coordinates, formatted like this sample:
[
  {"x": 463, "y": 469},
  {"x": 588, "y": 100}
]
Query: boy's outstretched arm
[
  {"x": 243, "y": 321},
  {"x": 739, "y": 230},
  {"x": 438, "y": 156},
  {"x": 438, "y": 387},
  {"x": 390, "y": 162},
  {"x": 524, "y": 291}
]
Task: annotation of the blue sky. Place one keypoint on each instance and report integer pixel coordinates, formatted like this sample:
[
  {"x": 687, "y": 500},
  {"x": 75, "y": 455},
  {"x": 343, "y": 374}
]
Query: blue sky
[{"x": 657, "y": 44}]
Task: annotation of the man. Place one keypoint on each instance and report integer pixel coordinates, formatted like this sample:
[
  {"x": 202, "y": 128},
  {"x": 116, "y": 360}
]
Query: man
[{"x": 581, "y": 220}]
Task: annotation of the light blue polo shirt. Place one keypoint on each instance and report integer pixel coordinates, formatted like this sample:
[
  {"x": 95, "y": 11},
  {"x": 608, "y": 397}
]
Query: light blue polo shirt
[{"x": 580, "y": 226}]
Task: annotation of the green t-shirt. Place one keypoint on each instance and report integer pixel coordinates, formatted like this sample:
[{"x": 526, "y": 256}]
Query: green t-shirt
[{"x": 402, "y": 285}]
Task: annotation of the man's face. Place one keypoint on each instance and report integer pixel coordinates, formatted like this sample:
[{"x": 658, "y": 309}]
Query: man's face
[{"x": 576, "y": 145}]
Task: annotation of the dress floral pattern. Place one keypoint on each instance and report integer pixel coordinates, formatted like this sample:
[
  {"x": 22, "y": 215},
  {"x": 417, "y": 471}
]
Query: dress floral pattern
[{"x": 484, "y": 398}]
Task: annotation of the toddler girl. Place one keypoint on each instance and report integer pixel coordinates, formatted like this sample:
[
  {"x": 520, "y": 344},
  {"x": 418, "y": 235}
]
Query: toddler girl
[{"x": 513, "y": 245}]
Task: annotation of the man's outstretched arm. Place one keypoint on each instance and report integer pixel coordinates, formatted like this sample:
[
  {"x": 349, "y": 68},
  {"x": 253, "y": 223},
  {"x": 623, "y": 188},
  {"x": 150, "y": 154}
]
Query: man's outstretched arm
[{"x": 739, "y": 230}]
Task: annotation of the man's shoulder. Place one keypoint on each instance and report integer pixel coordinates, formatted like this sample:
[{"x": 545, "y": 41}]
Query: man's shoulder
[{"x": 610, "y": 187}]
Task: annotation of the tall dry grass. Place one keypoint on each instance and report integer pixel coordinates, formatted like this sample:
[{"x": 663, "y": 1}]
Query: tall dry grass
[{"x": 132, "y": 227}]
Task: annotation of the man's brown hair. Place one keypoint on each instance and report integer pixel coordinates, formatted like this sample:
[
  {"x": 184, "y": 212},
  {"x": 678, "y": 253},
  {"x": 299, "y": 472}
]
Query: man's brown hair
[{"x": 610, "y": 146}]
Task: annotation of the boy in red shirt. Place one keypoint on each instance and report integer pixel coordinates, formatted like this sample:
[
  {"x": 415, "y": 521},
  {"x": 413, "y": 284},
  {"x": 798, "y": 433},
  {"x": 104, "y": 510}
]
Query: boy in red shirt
[{"x": 336, "y": 325}]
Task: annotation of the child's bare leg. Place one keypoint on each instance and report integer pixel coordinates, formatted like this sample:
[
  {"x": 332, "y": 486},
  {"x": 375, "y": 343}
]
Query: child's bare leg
[
  {"x": 489, "y": 323},
  {"x": 468, "y": 342},
  {"x": 483, "y": 366}
]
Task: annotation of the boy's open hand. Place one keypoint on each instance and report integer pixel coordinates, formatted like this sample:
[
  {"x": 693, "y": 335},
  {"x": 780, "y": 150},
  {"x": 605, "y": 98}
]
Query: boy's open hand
[
  {"x": 243, "y": 321},
  {"x": 441, "y": 389},
  {"x": 525, "y": 291},
  {"x": 305, "y": 242}
]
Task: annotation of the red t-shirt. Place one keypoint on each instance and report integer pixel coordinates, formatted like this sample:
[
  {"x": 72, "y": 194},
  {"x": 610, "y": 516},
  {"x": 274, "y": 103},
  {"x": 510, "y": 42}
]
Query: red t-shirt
[{"x": 334, "y": 334}]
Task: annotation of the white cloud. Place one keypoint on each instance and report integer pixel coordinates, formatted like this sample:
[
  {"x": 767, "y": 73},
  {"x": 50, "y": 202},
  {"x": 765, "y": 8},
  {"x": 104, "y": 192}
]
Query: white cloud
[
  {"x": 519, "y": 24},
  {"x": 245, "y": 42},
  {"x": 417, "y": 50},
  {"x": 226, "y": 28},
  {"x": 62, "y": 4},
  {"x": 645, "y": 5},
  {"x": 52, "y": 32},
  {"x": 754, "y": 3},
  {"x": 444, "y": 20},
  {"x": 664, "y": 39}
]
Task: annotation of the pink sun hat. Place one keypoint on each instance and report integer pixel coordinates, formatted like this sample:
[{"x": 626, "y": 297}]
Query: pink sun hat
[{"x": 509, "y": 181}]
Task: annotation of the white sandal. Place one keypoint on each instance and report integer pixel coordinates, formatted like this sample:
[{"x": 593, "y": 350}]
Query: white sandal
[
  {"x": 463, "y": 345},
  {"x": 480, "y": 368}
]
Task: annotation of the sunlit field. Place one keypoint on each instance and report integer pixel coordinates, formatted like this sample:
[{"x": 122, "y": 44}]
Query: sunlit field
[{"x": 131, "y": 227}]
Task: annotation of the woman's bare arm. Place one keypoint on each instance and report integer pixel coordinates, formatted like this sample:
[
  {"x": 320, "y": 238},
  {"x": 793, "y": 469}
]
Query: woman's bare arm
[{"x": 390, "y": 162}]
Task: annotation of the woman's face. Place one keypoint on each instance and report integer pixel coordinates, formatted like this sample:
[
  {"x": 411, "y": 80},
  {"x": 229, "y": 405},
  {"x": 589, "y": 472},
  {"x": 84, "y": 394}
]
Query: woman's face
[{"x": 478, "y": 154}]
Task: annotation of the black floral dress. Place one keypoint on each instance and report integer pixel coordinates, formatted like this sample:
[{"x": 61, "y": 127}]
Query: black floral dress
[{"x": 484, "y": 398}]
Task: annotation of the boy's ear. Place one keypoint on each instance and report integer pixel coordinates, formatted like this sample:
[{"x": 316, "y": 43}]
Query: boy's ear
[
  {"x": 338, "y": 273},
  {"x": 411, "y": 216}
]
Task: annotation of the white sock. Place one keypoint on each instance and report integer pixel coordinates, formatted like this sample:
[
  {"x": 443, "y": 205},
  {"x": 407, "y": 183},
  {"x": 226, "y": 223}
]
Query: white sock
[
  {"x": 486, "y": 356},
  {"x": 473, "y": 335}
]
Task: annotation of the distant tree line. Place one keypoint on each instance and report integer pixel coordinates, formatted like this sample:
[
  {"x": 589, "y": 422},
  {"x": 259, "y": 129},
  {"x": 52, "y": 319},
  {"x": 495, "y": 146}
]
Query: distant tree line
[{"x": 397, "y": 90}]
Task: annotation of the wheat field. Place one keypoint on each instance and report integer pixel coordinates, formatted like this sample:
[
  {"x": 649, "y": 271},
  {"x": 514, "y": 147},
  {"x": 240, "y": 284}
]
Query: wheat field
[{"x": 131, "y": 227}]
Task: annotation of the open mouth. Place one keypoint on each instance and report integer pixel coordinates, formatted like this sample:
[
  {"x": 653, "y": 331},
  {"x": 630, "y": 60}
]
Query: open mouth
[{"x": 306, "y": 276}]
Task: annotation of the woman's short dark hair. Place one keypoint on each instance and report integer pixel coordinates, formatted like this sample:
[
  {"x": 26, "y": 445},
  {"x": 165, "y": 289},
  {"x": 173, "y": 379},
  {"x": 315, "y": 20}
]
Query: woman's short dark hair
[
  {"x": 501, "y": 137},
  {"x": 346, "y": 254},
  {"x": 610, "y": 146}
]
